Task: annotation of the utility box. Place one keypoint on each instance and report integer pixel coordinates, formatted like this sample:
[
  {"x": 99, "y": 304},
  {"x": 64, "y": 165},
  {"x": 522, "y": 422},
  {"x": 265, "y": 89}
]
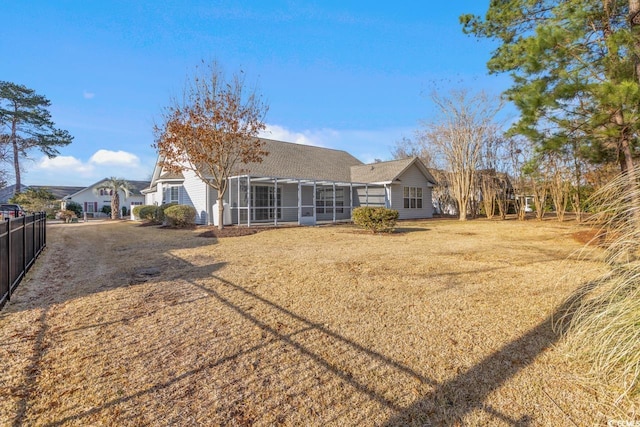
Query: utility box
[{"x": 226, "y": 215}]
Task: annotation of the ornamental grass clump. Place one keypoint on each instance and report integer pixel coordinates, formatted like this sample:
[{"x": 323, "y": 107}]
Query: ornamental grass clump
[
  {"x": 603, "y": 326},
  {"x": 375, "y": 219},
  {"x": 180, "y": 216}
]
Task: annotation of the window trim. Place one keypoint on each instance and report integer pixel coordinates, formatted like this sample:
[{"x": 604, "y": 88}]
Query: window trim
[{"x": 413, "y": 197}]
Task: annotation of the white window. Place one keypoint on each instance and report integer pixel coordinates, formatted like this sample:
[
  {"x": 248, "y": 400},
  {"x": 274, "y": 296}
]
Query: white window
[
  {"x": 413, "y": 197},
  {"x": 174, "y": 194}
]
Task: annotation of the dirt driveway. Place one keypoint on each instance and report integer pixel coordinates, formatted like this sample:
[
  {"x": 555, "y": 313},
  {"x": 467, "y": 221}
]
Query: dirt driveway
[{"x": 440, "y": 324}]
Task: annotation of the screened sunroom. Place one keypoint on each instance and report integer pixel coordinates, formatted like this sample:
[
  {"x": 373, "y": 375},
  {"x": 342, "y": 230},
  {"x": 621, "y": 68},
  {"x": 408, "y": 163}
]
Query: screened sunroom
[{"x": 254, "y": 200}]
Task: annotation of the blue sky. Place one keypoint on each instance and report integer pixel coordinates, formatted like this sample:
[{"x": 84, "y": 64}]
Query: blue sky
[{"x": 350, "y": 75}]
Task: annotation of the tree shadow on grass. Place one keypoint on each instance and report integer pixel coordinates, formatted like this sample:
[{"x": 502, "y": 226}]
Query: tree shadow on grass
[
  {"x": 451, "y": 401},
  {"x": 362, "y": 382},
  {"x": 340, "y": 361}
]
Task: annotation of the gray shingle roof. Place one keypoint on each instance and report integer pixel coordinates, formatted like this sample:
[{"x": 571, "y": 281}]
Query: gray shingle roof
[
  {"x": 385, "y": 171},
  {"x": 58, "y": 191},
  {"x": 289, "y": 160},
  {"x": 137, "y": 186},
  {"x": 171, "y": 175}
]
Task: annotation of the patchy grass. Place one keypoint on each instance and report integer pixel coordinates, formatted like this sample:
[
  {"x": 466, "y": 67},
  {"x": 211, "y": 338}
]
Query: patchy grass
[{"x": 443, "y": 323}]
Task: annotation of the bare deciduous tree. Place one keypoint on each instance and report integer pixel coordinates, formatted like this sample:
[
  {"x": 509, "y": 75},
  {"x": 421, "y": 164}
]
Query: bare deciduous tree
[
  {"x": 214, "y": 130},
  {"x": 456, "y": 140}
]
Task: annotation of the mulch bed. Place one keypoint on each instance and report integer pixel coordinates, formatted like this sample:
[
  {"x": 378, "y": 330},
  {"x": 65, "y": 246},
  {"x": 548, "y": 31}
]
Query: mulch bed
[{"x": 231, "y": 231}]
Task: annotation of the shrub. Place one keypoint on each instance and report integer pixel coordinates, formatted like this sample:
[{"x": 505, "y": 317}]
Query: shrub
[
  {"x": 106, "y": 210},
  {"x": 159, "y": 215},
  {"x": 146, "y": 212},
  {"x": 125, "y": 211},
  {"x": 180, "y": 216},
  {"x": 66, "y": 215},
  {"x": 375, "y": 219}
]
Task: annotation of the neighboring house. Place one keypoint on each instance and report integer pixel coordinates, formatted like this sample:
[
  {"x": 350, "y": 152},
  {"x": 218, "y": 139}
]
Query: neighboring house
[
  {"x": 59, "y": 192},
  {"x": 93, "y": 199},
  {"x": 303, "y": 184}
]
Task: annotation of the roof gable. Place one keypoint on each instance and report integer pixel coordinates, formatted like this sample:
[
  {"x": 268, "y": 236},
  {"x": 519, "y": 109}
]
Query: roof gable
[{"x": 384, "y": 172}]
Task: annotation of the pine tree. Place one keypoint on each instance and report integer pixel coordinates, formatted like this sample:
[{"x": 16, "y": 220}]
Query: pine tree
[{"x": 26, "y": 115}]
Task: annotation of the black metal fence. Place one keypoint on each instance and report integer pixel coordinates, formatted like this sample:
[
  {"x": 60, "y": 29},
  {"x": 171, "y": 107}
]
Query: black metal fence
[{"x": 21, "y": 241}]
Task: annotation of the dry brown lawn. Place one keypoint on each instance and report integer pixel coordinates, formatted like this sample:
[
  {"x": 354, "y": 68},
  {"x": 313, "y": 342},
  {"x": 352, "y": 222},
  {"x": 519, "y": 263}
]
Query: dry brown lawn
[{"x": 443, "y": 323}]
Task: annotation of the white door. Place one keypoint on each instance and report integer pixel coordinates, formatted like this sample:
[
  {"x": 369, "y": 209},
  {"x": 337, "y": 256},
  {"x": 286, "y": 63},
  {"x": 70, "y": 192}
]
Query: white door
[{"x": 307, "y": 204}]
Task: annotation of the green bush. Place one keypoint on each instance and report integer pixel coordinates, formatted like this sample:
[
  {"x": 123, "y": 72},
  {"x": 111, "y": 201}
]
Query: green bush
[
  {"x": 145, "y": 212},
  {"x": 180, "y": 216},
  {"x": 375, "y": 219},
  {"x": 160, "y": 211},
  {"x": 106, "y": 210}
]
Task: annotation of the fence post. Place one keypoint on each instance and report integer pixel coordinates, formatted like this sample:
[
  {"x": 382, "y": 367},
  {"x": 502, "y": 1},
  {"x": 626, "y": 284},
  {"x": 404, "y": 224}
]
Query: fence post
[
  {"x": 24, "y": 244},
  {"x": 33, "y": 236},
  {"x": 9, "y": 257}
]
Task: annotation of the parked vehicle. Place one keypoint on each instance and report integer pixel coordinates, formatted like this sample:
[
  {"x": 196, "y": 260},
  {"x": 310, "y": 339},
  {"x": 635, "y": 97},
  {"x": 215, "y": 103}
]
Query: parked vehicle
[{"x": 10, "y": 210}]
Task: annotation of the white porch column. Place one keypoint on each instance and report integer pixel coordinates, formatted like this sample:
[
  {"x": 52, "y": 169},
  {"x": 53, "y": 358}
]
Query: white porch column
[
  {"x": 334, "y": 202},
  {"x": 275, "y": 202},
  {"x": 386, "y": 197},
  {"x": 248, "y": 201},
  {"x": 299, "y": 203},
  {"x": 238, "y": 208},
  {"x": 351, "y": 200},
  {"x": 315, "y": 219},
  {"x": 366, "y": 195}
]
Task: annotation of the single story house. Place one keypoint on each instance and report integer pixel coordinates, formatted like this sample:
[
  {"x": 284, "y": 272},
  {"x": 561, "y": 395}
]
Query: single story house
[
  {"x": 301, "y": 184},
  {"x": 93, "y": 198}
]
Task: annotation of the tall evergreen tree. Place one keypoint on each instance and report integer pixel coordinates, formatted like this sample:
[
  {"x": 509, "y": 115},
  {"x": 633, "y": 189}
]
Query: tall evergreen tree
[
  {"x": 575, "y": 70},
  {"x": 25, "y": 116}
]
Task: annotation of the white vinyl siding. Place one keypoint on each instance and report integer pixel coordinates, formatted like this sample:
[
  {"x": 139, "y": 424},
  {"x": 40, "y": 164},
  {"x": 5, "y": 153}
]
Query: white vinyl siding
[
  {"x": 412, "y": 179},
  {"x": 194, "y": 193}
]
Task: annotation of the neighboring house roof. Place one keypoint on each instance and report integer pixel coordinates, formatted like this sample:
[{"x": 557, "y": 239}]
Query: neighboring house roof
[
  {"x": 59, "y": 192},
  {"x": 9, "y": 191},
  {"x": 387, "y": 172},
  {"x": 289, "y": 160},
  {"x": 136, "y": 187}
]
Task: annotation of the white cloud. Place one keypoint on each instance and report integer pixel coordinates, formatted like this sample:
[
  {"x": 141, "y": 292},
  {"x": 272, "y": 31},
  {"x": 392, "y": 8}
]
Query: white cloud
[
  {"x": 116, "y": 158},
  {"x": 88, "y": 95},
  {"x": 63, "y": 162},
  {"x": 280, "y": 133},
  {"x": 69, "y": 170}
]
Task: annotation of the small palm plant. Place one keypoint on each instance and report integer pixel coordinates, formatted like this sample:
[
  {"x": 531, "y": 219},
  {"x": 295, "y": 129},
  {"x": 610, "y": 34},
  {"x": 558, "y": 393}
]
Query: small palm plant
[{"x": 114, "y": 185}]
